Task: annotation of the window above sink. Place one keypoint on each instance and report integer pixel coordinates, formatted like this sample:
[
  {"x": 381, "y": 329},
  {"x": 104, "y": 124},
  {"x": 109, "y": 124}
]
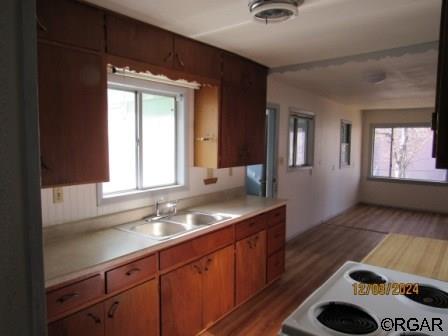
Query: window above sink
[{"x": 147, "y": 139}]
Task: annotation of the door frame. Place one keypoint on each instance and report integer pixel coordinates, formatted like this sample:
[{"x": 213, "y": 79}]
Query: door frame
[{"x": 275, "y": 107}]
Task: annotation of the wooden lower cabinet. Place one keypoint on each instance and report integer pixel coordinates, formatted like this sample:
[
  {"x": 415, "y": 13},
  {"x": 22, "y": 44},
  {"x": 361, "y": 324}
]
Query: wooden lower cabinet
[
  {"x": 197, "y": 294},
  {"x": 134, "y": 312},
  {"x": 250, "y": 266},
  {"x": 88, "y": 322}
]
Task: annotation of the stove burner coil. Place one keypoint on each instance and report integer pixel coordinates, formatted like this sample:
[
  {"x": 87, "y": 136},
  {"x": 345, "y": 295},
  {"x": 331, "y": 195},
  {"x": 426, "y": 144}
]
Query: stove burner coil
[
  {"x": 367, "y": 277},
  {"x": 347, "y": 319},
  {"x": 430, "y": 296}
]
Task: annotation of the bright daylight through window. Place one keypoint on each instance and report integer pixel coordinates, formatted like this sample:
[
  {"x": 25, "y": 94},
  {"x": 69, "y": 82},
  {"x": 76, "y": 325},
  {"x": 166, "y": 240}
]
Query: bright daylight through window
[
  {"x": 301, "y": 129},
  {"x": 405, "y": 153},
  {"x": 143, "y": 140}
]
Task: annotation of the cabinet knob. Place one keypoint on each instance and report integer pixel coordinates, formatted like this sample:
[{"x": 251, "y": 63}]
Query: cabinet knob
[
  {"x": 40, "y": 25},
  {"x": 182, "y": 64},
  {"x": 207, "y": 264},
  {"x": 198, "y": 268},
  {"x": 170, "y": 54}
]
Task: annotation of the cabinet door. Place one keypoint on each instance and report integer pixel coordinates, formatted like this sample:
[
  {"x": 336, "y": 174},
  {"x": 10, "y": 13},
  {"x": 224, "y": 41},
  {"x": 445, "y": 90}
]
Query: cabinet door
[
  {"x": 88, "y": 322},
  {"x": 139, "y": 41},
  {"x": 134, "y": 312},
  {"x": 181, "y": 297},
  {"x": 72, "y": 116},
  {"x": 441, "y": 128},
  {"x": 250, "y": 266},
  {"x": 197, "y": 58},
  {"x": 67, "y": 21},
  {"x": 255, "y": 142},
  {"x": 218, "y": 285},
  {"x": 232, "y": 128}
]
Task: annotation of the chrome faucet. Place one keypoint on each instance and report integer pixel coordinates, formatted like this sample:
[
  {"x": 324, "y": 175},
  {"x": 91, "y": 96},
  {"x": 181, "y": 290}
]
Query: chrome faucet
[{"x": 164, "y": 209}]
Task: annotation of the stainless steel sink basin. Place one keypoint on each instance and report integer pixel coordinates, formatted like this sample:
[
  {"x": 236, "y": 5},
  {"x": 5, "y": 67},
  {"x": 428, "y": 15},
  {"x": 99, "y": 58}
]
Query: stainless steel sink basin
[
  {"x": 159, "y": 229},
  {"x": 196, "y": 218}
]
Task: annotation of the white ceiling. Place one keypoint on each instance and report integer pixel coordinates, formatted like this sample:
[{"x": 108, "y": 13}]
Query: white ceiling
[{"x": 325, "y": 29}]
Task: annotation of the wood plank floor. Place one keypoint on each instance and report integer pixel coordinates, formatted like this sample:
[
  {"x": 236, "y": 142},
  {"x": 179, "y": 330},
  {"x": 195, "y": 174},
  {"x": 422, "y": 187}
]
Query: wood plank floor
[
  {"x": 392, "y": 220},
  {"x": 316, "y": 254}
]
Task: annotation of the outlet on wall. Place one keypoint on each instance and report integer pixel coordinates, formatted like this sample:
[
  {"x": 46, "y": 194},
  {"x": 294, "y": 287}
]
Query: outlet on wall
[{"x": 58, "y": 195}]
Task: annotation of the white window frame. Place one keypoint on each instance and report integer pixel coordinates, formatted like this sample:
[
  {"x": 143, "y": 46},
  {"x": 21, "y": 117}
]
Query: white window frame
[
  {"x": 181, "y": 94},
  {"x": 370, "y": 175},
  {"x": 342, "y": 164},
  {"x": 310, "y": 139}
]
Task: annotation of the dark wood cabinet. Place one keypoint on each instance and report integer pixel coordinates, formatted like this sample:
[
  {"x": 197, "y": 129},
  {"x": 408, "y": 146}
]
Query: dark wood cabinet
[
  {"x": 139, "y": 41},
  {"x": 70, "y": 22},
  {"x": 181, "y": 300},
  {"x": 441, "y": 115},
  {"x": 134, "y": 312},
  {"x": 250, "y": 266},
  {"x": 72, "y": 116},
  {"x": 241, "y": 108},
  {"x": 88, "y": 322},
  {"x": 197, "y": 294},
  {"x": 218, "y": 285},
  {"x": 196, "y": 58}
]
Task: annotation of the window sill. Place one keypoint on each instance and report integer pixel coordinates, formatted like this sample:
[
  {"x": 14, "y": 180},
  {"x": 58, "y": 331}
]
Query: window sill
[
  {"x": 300, "y": 168},
  {"x": 134, "y": 194},
  {"x": 402, "y": 181}
]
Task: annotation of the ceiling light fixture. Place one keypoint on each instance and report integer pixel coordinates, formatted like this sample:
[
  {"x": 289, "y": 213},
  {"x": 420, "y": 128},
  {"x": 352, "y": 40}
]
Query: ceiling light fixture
[{"x": 274, "y": 11}]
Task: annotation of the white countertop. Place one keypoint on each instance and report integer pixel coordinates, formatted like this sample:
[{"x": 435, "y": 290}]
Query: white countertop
[{"x": 76, "y": 256}]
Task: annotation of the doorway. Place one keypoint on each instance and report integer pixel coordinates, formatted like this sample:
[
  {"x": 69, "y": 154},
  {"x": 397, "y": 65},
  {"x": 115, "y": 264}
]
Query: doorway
[{"x": 261, "y": 179}]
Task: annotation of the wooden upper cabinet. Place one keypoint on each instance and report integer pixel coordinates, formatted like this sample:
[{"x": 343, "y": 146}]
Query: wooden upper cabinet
[
  {"x": 139, "y": 41},
  {"x": 250, "y": 266},
  {"x": 70, "y": 22},
  {"x": 72, "y": 116},
  {"x": 196, "y": 58},
  {"x": 441, "y": 125},
  {"x": 88, "y": 322},
  {"x": 218, "y": 285},
  {"x": 134, "y": 312},
  {"x": 181, "y": 300}
]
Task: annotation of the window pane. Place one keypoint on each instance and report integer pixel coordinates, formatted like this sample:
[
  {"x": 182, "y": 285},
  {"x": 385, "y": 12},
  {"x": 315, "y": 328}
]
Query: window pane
[
  {"x": 302, "y": 141},
  {"x": 122, "y": 152},
  {"x": 381, "y": 152},
  {"x": 412, "y": 155},
  {"x": 159, "y": 140},
  {"x": 291, "y": 141}
]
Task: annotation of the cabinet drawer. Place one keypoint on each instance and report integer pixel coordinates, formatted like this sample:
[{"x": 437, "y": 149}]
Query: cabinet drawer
[
  {"x": 276, "y": 265},
  {"x": 131, "y": 273},
  {"x": 250, "y": 226},
  {"x": 276, "y": 238},
  {"x": 196, "y": 248},
  {"x": 277, "y": 216},
  {"x": 74, "y": 295}
]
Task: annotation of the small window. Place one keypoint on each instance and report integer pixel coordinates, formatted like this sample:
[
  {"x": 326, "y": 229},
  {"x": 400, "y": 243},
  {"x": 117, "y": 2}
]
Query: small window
[
  {"x": 346, "y": 143},
  {"x": 146, "y": 138},
  {"x": 404, "y": 153},
  {"x": 301, "y": 132}
]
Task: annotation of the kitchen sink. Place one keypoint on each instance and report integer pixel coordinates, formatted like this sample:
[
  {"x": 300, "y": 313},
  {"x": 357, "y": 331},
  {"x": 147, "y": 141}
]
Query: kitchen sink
[
  {"x": 196, "y": 218},
  {"x": 170, "y": 226}
]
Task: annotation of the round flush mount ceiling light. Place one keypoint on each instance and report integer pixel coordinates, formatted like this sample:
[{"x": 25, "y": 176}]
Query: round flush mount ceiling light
[
  {"x": 273, "y": 11},
  {"x": 376, "y": 77}
]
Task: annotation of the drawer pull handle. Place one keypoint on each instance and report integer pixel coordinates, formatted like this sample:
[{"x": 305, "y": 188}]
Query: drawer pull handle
[
  {"x": 96, "y": 319},
  {"x": 197, "y": 268},
  {"x": 113, "y": 309},
  {"x": 67, "y": 297},
  {"x": 207, "y": 264},
  {"x": 132, "y": 271},
  {"x": 40, "y": 25}
]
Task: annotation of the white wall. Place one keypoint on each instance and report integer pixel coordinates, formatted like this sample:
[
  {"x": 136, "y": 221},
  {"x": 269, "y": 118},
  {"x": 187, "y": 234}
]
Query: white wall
[
  {"x": 402, "y": 195},
  {"x": 80, "y": 201},
  {"x": 317, "y": 194}
]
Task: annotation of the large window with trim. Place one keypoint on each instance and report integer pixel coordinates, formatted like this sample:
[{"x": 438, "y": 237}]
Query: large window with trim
[
  {"x": 301, "y": 142},
  {"x": 146, "y": 126},
  {"x": 404, "y": 152}
]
